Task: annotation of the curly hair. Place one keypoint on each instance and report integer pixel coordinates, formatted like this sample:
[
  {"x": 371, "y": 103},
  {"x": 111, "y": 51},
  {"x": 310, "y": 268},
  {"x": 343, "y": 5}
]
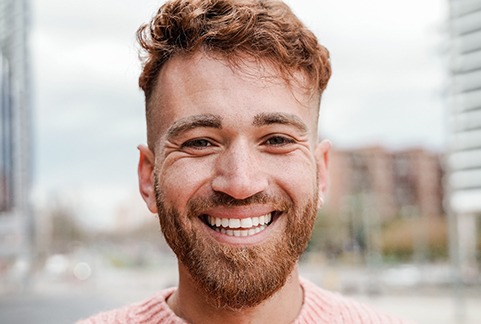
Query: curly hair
[{"x": 261, "y": 29}]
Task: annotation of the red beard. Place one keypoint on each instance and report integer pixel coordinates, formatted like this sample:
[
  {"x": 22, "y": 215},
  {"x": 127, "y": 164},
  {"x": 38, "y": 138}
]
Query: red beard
[{"x": 237, "y": 277}]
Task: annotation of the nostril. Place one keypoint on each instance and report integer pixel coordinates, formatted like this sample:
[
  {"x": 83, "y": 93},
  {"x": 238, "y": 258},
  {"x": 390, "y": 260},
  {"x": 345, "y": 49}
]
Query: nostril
[{"x": 240, "y": 187}]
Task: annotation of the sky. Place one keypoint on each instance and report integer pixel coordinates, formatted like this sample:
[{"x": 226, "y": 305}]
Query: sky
[{"x": 388, "y": 88}]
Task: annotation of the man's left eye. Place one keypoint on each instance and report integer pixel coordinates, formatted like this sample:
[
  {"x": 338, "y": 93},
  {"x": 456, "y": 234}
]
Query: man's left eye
[{"x": 279, "y": 141}]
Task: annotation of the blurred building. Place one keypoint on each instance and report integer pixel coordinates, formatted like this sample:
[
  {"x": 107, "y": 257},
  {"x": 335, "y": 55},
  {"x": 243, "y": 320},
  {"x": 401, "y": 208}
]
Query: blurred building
[
  {"x": 372, "y": 188},
  {"x": 15, "y": 133},
  {"x": 405, "y": 183},
  {"x": 464, "y": 159}
]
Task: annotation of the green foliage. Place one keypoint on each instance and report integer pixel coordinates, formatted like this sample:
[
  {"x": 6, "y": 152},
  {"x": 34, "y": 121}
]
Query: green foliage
[
  {"x": 398, "y": 240},
  {"x": 403, "y": 239},
  {"x": 328, "y": 236}
]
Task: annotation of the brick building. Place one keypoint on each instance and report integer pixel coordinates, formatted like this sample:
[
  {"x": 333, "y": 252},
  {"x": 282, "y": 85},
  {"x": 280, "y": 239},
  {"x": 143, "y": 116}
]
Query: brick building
[{"x": 393, "y": 183}]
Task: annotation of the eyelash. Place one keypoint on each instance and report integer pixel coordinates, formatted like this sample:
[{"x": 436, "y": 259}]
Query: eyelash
[
  {"x": 194, "y": 143},
  {"x": 285, "y": 140}
]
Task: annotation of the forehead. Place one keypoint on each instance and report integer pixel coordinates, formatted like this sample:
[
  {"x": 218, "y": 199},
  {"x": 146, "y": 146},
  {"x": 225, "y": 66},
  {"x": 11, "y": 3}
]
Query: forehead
[
  {"x": 214, "y": 66},
  {"x": 189, "y": 85}
]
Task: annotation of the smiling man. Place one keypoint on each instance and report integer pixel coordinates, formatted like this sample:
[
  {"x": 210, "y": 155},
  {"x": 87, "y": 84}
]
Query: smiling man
[{"x": 233, "y": 165}]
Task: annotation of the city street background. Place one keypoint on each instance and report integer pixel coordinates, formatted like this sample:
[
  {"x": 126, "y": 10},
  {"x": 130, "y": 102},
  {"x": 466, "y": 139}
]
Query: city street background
[{"x": 65, "y": 299}]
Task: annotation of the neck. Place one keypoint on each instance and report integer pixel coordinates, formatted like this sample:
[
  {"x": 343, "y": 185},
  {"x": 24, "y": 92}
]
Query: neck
[{"x": 189, "y": 303}]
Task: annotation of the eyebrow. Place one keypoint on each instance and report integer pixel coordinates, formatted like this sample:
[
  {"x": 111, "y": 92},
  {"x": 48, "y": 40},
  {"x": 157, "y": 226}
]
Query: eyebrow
[
  {"x": 264, "y": 119},
  {"x": 191, "y": 122}
]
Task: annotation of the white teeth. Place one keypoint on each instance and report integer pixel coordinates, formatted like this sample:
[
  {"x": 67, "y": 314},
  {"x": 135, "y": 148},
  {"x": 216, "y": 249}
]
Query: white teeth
[
  {"x": 246, "y": 222},
  {"x": 234, "y": 223},
  {"x": 268, "y": 218},
  {"x": 240, "y": 227},
  {"x": 239, "y": 233},
  {"x": 262, "y": 219},
  {"x": 225, "y": 222}
]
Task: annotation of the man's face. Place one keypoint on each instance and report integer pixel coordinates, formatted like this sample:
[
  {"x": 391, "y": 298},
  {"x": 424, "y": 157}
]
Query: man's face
[{"x": 235, "y": 175}]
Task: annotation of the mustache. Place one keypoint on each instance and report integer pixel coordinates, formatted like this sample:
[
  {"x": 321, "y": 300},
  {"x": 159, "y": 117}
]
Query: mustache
[{"x": 220, "y": 199}]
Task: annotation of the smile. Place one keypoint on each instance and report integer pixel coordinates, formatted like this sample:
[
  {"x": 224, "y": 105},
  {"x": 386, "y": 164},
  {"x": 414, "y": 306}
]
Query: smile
[{"x": 240, "y": 227}]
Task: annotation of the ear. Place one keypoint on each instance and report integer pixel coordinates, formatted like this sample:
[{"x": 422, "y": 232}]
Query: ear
[
  {"x": 322, "y": 158},
  {"x": 146, "y": 177}
]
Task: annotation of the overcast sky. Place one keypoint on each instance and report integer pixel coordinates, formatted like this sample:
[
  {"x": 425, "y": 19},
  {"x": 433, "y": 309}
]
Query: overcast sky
[{"x": 387, "y": 88}]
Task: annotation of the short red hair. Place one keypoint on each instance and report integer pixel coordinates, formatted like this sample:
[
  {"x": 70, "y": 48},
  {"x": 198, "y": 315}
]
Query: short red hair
[{"x": 262, "y": 29}]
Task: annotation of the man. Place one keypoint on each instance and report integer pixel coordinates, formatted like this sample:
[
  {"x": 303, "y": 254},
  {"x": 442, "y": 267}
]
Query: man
[{"x": 233, "y": 165}]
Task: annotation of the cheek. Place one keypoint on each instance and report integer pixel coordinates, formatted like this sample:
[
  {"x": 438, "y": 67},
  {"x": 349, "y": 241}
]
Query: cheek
[
  {"x": 297, "y": 176},
  {"x": 182, "y": 179},
  {"x": 300, "y": 185}
]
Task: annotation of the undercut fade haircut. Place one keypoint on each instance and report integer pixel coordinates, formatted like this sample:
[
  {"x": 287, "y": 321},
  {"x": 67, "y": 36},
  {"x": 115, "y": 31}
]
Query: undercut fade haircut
[{"x": 233, "y": 30}]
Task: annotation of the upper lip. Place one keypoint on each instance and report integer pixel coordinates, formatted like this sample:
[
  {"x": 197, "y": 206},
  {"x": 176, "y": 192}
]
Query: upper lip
[{"x": 239, "y": 212}]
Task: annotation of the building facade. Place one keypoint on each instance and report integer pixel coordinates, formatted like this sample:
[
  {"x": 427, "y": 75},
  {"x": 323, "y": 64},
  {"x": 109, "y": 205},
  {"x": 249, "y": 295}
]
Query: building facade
[
  {"x": 375, "y": 193},
  {"x": 463, "y": 183},
  {"x": 16, "y": 222},
  {"x": 393, "y": 183}
]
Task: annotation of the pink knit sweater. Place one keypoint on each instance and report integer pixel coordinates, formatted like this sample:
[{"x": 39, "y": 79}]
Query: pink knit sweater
[{"x": 319, "y": 306}]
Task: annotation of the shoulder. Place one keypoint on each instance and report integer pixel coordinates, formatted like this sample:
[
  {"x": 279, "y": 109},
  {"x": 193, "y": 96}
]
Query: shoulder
[
  {"x": 152, "y": 310},
  {"x": 322, "y": 306}
]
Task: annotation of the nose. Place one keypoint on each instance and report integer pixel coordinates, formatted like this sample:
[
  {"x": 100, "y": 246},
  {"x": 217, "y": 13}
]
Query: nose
[{"x": 239, "y": 172}]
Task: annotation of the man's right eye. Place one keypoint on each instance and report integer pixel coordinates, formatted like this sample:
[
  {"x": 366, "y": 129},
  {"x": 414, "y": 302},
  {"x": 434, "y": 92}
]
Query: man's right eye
[{"x": 197, "y": 143}]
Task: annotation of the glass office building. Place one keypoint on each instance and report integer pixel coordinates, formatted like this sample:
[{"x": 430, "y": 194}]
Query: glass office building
[
  {"x": 464, "y": 158},
  {"x": 16, "y": 222}
]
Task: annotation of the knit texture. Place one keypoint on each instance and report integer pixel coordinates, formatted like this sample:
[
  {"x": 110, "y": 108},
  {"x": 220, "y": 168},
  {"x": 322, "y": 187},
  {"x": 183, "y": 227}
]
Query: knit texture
[{"x": 319, "y": 306}]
